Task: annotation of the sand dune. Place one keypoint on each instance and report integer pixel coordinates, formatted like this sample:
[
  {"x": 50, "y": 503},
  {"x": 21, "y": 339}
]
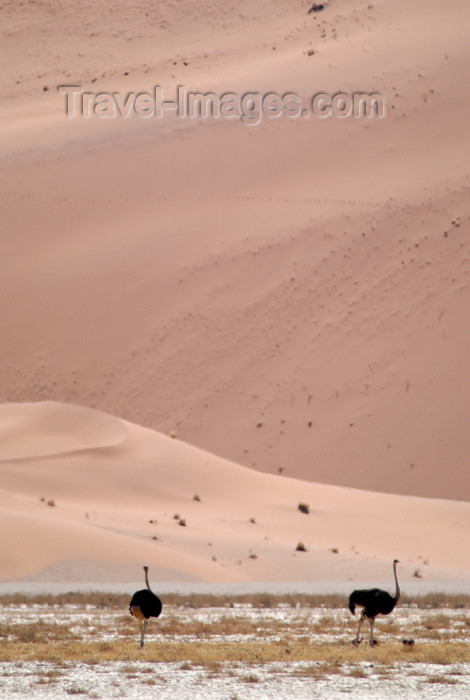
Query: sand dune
[
  {"x": 115, "y": 506},
  {"x": 289, "y": 295}
]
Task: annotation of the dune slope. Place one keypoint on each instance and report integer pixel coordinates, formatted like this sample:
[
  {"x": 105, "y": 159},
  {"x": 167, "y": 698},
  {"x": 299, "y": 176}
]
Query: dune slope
[
  {"x": 99, "y": 512},
  {"x": 292, "y": 295}
]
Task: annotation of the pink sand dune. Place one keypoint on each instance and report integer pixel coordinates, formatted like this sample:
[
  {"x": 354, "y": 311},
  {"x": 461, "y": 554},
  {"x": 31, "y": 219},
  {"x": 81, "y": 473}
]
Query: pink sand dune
[
  {"x": 289, "y": 295},
  {"x": 292, "y": 296},
  {"x": 115, "y": 507}
]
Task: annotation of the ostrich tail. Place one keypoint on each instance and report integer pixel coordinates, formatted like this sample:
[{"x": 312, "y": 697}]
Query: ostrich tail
[{"x": 352, "y": 606}]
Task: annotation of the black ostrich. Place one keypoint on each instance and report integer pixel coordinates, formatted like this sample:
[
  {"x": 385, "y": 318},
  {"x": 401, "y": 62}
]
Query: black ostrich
[
  {"x": 145, "y": 604},
  {"x": 375, "y": 602}
]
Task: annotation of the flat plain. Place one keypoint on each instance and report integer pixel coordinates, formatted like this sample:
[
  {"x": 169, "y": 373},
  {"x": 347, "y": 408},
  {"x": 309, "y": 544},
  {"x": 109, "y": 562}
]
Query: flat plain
[{"x": 246, "y": 646}]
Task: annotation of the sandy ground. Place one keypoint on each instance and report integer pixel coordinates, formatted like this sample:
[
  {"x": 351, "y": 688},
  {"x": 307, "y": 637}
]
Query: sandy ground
[
  {"x": 117, "y": 495},
  {"x": 292, "y": 295}
]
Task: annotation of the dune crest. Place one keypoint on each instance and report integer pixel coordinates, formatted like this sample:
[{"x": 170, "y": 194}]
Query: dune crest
[{"x": 46, "y": 428}]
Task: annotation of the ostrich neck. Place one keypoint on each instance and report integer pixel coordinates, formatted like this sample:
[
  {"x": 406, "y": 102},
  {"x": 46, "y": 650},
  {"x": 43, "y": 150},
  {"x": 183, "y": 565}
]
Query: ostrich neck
[
  {"x": 397, "y": 587},
  {"x": 147, "y": 579}
]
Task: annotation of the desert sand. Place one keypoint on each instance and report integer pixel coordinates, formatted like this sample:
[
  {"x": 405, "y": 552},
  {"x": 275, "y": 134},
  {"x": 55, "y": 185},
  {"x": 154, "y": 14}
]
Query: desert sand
[
  {"x": 290, "y": 296},
  {"x": 94, "y": 512}
]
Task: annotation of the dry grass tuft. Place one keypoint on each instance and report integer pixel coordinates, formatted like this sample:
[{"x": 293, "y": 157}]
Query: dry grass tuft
[
  {"x": 36, "y": 632},
  {"x": 441, "y": 679}
]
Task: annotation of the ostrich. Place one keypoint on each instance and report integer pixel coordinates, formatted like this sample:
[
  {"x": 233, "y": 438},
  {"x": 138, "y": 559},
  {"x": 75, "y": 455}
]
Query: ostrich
[
  {"x": 375, "y": 602},
  {"x": 145, "y": 604}
]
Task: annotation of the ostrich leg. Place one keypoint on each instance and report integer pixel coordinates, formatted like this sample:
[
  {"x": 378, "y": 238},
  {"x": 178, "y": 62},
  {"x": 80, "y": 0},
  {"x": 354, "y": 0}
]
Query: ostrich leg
[
  {"x": 357, "y": 640},
  {"x": 372, "y": 641},
  {"x": 142, "y": 632}
]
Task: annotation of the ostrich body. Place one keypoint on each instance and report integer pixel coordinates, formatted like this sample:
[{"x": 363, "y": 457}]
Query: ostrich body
[
  {"x": 374, "y": 602},
  {"x": 144, "y": 605}
]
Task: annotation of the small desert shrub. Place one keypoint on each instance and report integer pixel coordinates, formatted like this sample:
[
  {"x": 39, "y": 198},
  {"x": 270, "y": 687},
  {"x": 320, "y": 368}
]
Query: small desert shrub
[
  {"x": 304, "y": 508},
  {"x": 252, "y": 520},
  {"x": 76, "y": 690},
  {"x": 300, "y": 547},
  {"x": 182, "y": 522},
  {"x": 250, "y": 679},
  {"x": 197, "y": 497},
  {"x": 357, "y": 672},
  {"x": 51, "y": 502},
  {"x": 319, "y": 670},
  {"x": 437, "y": 622}
]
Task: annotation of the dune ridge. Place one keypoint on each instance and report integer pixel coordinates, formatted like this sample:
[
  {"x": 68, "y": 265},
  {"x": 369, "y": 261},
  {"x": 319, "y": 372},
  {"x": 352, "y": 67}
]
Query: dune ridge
[{"x": 27, "y": 432}]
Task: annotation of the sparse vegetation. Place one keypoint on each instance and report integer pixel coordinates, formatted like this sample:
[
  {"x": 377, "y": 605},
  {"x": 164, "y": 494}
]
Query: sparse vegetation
[
  {"x": 309, "y": 635},
  {"x": 182, "y": 522},
  {"x": 300, "y": 547},
  {"x": 115, "y": 601},
  {"x": 441, "y": 679},
  {"x": 50, "y": 501},
  {"x": 197, "y": 497},
  {"x": 251, "y": 678},
  {"x": 304, "y": 508},
  {"x": 76, "y": 690}
]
